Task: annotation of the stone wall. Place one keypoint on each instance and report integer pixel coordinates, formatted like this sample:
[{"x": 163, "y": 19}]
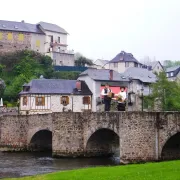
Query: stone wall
[
  {"x": 140, "y": 136},
  {"x": 8, "y": 110},
  {"x": 12, "y": 41}
]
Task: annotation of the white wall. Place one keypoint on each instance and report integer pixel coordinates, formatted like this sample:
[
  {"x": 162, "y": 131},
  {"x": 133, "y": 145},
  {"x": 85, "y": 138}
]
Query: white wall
[
  {"x": 63, "y": 39},
  {"x": 63, "y": 59},
  {"x": 158, "y": 68},
  {"x": 41, "y": 39},
  {"x": 53, "y": 104},
  {"x": 92, "y": 86}
]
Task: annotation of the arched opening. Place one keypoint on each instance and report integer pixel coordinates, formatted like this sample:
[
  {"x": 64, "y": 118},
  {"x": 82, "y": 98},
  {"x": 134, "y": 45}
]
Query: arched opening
[
  {"x": 103, "y": 142},
  {"x": 171, "y": 149},
  {"x": 41, "y": 141}
]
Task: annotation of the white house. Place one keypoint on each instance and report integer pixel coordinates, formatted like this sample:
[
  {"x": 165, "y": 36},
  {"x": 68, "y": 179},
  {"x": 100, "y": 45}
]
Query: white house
[
  {"x": 155, "y": 66},
  {"x": 54, "y": 95},
  {"x": 96, "y": 79},
  {"x": 122, "y": 61}
]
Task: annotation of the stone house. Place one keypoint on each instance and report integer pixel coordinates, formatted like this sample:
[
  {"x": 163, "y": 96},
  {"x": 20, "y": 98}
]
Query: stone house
[
  {"x": 155, "y": 66},
  {"x": 140, "y": 80},
  {"x": 54, "y": 95},
  {"x": 96, "y": 79},
  {"x": 173, "y": 73},
  {"x": 122, "y": 61},
  {"x": 46, "y": 38}
]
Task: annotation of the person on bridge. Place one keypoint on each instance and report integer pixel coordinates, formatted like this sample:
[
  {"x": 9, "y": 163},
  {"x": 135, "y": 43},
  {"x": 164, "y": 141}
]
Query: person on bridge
[
  {"x": 121, "y": 97},
  {"x": 106, "y": 93}
]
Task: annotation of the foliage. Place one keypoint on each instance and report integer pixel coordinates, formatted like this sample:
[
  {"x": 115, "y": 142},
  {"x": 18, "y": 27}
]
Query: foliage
[
  {"x": 83, "y": 61},
  {"x": 2, "y": 87},
  {"x": 20, "y": 67},
  {"x": 165, "y": 94},
  {"x": 66, "y": 75},
  {"x": 169, "y": 63},
  {"x": 156, "y": 171}
]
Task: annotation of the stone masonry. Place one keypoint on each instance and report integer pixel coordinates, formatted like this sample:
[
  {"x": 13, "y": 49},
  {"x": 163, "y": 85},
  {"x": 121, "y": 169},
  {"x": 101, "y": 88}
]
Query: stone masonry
[{"x": 140, "y": 136}]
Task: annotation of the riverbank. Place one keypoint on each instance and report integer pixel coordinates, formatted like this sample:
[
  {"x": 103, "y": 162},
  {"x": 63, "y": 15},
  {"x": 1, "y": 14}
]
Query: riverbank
[{"x": 156, "y": 171}]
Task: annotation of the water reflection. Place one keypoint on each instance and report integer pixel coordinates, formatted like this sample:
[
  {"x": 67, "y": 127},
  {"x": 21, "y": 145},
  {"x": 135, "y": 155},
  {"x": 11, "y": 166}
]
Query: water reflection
[{"x": 25, "y": 164}]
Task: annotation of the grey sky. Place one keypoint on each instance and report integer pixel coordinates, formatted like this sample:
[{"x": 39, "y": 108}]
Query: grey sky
[{"x": 102, "y": 28}]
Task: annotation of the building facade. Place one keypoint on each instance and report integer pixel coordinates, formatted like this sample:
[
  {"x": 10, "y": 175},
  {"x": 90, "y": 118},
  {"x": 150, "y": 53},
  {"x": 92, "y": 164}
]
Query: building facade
[
  {"x": 42, "y": 96},
  {"x": 46, "y": 38}
]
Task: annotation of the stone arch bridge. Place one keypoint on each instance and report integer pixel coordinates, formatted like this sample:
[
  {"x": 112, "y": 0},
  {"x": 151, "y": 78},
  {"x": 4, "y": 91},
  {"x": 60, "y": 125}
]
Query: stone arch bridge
[{"x": 135, "y": 136}]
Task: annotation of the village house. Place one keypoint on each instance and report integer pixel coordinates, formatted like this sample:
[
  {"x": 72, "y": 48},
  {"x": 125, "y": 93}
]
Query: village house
[
  {"x": 101, "y": 63},
  {"x": 173, "y": 73},
  {"x": 96, "y": 80},
  {"x": 55, "y": 95},
  {"x": 155, "y": 66},
  {"x": 46, "y": 38},
  {"x": 140, "y": 80},
  {"x": 122, "y": 61}
]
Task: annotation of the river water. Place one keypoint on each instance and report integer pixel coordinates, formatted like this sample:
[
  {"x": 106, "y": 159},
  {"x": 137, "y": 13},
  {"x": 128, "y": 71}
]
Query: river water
[{"x": 27, "y": 164}]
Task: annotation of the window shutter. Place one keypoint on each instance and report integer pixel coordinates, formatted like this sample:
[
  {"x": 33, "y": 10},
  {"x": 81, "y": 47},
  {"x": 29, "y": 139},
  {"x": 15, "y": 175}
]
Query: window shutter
[
  {"x": 89, "y": 100},
  {"x": 43, "y": 101},
  {"x": 36, "y": 101},
  {"x": 67, "y": 98}
]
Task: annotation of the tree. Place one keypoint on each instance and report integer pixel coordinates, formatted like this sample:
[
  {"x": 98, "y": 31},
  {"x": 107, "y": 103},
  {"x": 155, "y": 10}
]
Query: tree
[
  {"x": 166, "y": 93},
  {"x": 169, "y": 63},
  {"x": 80, "y": 60},
  {"x": 2, "y": 87}
]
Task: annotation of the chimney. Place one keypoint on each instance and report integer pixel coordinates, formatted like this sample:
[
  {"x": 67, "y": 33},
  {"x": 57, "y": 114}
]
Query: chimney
[
  {"x": 23, "y": 21},
  {"x": 111, "y": 75},
  {"x": 78, "y": 85}
]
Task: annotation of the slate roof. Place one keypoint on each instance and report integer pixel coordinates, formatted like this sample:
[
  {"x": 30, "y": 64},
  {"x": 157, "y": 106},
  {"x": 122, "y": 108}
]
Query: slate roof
[
  {"x": 19, "y": 27},
  {"x": 52, "y": 27},
  {"x": 103, "y": 75},
  {"x": 172, "y": 69},
  {"x": 140, "y": 74},
  {"x": 101, "y": 62},
  {"x": 124, "y": 57},
  {"x": 56, "y": 86},
  {"x": 175, "y": 70}
]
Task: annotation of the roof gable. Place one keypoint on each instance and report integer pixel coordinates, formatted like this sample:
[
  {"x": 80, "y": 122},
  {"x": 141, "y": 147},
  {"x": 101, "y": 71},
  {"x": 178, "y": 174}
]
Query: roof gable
[{"x": 52, "y": 27}]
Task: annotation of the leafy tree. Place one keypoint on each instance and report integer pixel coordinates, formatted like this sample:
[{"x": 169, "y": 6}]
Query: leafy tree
[
  {"x": 2, "y": 87},
  {"x": 83, "y": 61},
  {"x": 169, "y": 63},
  {"x": 165, "y": 93}
]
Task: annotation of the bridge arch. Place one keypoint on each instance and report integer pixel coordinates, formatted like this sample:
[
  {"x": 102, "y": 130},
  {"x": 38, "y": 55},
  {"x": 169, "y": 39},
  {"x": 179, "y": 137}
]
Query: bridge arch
[
  {"x": 171, "y": 148},
  {"x": 41, "y": 141},
  {"x": 103, "y": 142}
]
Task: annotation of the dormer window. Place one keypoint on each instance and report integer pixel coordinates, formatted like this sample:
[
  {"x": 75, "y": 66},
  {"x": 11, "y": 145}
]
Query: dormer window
[
  {"x": 26, "y": 88},
  {"x": 172, "y": 74}
]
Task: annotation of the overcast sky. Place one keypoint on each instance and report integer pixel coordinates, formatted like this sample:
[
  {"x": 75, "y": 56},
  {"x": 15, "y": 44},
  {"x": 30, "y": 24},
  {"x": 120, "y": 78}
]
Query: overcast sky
[{"x": 102, "y": 28}]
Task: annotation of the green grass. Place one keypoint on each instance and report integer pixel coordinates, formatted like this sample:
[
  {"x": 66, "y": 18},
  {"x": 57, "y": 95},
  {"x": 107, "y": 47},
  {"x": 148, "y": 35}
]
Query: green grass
[{"x": 149, "y": 171}]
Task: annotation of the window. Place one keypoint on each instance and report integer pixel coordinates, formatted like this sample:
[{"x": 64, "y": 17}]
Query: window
[
  {"x": 64, "y": 100},
  {"x": 37, "y": 43},
  {"x": 51, "y": 39},
  {"x": 25, "y": 101},
  {"x": 10, "y": 36},
  {"x": 126, "y": 64},
  {"x": 86, "y": 100},
  {"x": 1, "y": 35},
  {"x": 172, "y": 73},
  {"x": 167, "y": 74},
  {"x": 135, "y": 65},
  {"x": 40, "y": 101},
  {"x": 59, "y": 39},
  {"x": 21, "y": 37},
  {"x": 157, "y": 67},
  {"x": 115, "y": 65}
]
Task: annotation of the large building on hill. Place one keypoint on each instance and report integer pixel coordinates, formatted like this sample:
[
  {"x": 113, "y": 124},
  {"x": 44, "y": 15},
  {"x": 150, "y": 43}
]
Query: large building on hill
[{"x": 46, "y": 38}]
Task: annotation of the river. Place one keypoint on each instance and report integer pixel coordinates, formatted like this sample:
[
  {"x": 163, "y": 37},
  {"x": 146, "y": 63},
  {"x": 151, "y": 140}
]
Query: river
[{"x": 27, "y": 164}]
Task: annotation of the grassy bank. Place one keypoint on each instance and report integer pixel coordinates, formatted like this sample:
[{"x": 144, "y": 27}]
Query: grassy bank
[{"x": 150, "y": 171}]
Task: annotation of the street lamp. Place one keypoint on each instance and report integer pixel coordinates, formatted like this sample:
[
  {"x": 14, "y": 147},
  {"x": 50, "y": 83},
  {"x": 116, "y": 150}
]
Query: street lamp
[
  {"x": 72, "y": 100},
  {"x": 142, "y": 89}
]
